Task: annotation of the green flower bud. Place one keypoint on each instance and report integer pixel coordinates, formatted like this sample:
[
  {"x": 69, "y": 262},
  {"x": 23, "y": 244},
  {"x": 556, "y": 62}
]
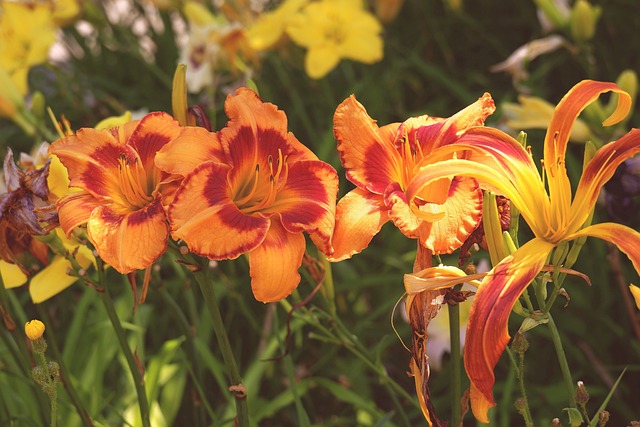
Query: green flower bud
[{"x": 583, "y": 20}]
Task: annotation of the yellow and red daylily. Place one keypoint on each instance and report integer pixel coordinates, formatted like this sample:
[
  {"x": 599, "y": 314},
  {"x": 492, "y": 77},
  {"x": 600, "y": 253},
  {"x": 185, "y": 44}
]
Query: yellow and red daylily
[
  {"x": 502, "y": 165},
  {"x": 251, "y": 188},
  {"x": 120, "y": 197},
  {"x": 382, "y": 161}
]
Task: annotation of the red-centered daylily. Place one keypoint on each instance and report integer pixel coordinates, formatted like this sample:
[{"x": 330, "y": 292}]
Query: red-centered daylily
[
  {"x": 251, "y": 188},
  {"x": 382, "y": 161},
  {"x": 502, "y": 165},
  {"x": 121, "y": 190}
]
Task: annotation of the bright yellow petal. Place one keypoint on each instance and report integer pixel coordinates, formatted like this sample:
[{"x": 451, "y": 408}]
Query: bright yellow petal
[
  {"x": 12, "y": 276},
  {"x": 320, "y": 60},
  {"x": 52, "y": 280},
  {"x": 635, "y": 291},
  {"x": 58, "y": 179},
  {"x": 274, "y": 264},
  {"x": 367, "y": 49}
]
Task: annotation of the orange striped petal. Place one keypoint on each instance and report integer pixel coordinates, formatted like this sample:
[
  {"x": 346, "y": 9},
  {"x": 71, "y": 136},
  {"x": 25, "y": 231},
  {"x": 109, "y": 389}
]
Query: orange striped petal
[
  {"x": 600, "y": 170},
  {"x": 487, "y": 333},
  {"x": 191, "y": 148},
  {"x": 625, "y": 238},
  {"x": 203, "y": 215},
  {"x": 480, "y": 405},
  {"x": 91, "y": 158},
  {"x": 75, "y": 209},
  {"x": 152, "y": 133},
  {"x": 131, "y": 241},
  {"x": 366, "y": 151},
  {"x": 257, "y": 129},
  {"x": 308, "y": 201},
  {"x": 274, "y": 264},
  {"x": 360, "y": 215}
]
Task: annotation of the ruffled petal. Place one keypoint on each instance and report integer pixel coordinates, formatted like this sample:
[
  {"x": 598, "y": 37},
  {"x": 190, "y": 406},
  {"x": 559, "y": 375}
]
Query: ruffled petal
[
  {"x": 75, "y": 209},
  {"x": 360, "y": 215},
  {"x": 190, "y": 149},
  {"x": 366, "y": 151},
  {"x": 274, "y": 264},
  {"x": 625, "y": 238},
  {"x": 599, "y": 171},
  {"x": 131, "y": 241},
  {"x": 487, "y": 333},
  {"x": 308, "y": 200},
  {"x": 203, "y": 215}
]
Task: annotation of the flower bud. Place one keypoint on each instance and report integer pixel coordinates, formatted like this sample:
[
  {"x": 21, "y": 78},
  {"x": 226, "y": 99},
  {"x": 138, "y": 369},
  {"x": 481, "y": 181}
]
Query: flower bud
[
  {"x": 34, "y": 329},
  {"x": 556, "y": 422},
  {"x": 582, "y": 396},
  {"x": 603, "y": 418},
  {"x": 520, "y": 344},
  {"x": 583, "y": 20}
]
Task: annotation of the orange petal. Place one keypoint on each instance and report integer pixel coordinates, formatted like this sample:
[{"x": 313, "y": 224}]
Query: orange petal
[
  {"x": 479, "y": 404},
  {"x": 191, "y": 148},
  {"x": 600, "y": 170},
  {"x": 274, "y": 264},
  {"x": 75, "y": 209},
  {"x": 152, "y": 133},
  {"x": 487, "y": 333},
  {"x": 203, "y": 215},
  {"x": 132, "y": 241},
  {"x": 567, "y": 111},
  {"x": 367, "y": 152},
  {"x": 360, "y": 215},
  {"x": 625, "y": 238},
  {"x": 308, "y": 201}
]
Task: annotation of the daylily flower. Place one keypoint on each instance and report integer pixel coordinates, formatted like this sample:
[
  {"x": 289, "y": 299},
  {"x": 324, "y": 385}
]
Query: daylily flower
[
  {"x": 270, "y": 26},
  {"x": 501, "y": 164},
  {"x": 251, "y": 188},
  {"x": 382, "y": 161},
  {"x": 335, "y": 29},
  {"x": 121, "y": 190}
]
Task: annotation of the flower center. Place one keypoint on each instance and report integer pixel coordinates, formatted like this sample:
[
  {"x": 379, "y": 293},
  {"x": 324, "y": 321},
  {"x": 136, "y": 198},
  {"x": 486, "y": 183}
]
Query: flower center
[
  {"x": 261, "y": 191},
  {"x": 133, "y": 183}
]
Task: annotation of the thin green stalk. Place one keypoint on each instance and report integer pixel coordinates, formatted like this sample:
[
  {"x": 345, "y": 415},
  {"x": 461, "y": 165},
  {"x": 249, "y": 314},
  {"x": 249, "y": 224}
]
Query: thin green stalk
[
  {"x": 206, "y": 287},
  {"x": 519, "y": 367},
  {"x": 138, "y": 379},
  {"x": 64, "y": 372},
  {"x": 562, "y": 360},
  {"x": 456, "y": 371}
]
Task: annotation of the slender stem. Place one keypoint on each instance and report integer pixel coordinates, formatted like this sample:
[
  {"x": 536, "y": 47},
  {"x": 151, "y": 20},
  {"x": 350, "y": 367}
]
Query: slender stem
[
  {"x": 456, "y": 371},
  {"x": 138, "y": 379},
  {"x": 562, "y": 360},
  {"x": 206, "y": 287},
  {"x": 519, "y": 367},
  {"x": 64, "y": 372}
]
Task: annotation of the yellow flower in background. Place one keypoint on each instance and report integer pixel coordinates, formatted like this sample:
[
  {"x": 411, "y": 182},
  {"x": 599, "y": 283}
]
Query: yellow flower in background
[
  {"x": 535, "y": 113},
  {"x": 65, "y": 12},
  {"x": 27, "y": 31},
  {"x": 270, "y": 27},
  {"x": 332, "y": 30}
]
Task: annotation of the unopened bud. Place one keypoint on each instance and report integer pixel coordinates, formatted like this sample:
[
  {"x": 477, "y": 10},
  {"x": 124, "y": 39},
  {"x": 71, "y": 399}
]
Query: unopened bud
[
  {"x": 584, "y": 17},
  {"x": 556, "y": 423},
  {"x": 603, "y": 418},
  {"x": 34, "y": 329},
  {"x": 520, "y": 344},
  {"x": 54, "y": 370},
  {"x": 39, "y": 375},
  {"x": 184, "y": 250},
  {"x": 582, "y": 396},
  {"x": 521, "y": 405}
]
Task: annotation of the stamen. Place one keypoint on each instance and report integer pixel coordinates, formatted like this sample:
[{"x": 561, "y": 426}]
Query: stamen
[
  {"x": 254, "y": 187},
  {"x": 131, "y": 182}
]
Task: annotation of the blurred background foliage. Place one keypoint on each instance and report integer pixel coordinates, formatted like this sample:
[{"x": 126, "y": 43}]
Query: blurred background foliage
[{"x": 343, "y": 365}]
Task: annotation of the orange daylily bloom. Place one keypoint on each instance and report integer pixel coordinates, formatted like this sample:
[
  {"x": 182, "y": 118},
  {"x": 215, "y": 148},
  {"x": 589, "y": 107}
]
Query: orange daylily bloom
[
  {"x": 251, "y": 188},
  {"x": 502, "y": 165},
  {"x": 121, "y": 190},
  {"x": 382, "y": 161}
]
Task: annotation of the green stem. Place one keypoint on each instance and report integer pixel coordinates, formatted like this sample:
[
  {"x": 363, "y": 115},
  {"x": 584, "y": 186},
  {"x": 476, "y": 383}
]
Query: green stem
[
  {"x": 519, "y": 368},
  {"x": 138, "y": 379},
  {"x": 206, "y": 287},
  {"x": 64, "y": 372},
  {"x": 562, "y": 360},
  {"x": 456, "y": 371}
]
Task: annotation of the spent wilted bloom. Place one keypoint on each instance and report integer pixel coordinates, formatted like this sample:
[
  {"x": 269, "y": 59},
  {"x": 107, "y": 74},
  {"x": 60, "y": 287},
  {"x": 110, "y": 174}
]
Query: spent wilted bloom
[
  {"x": 382, "y": 161},
  {"x": 332, "y": 30},
  {"x": 251, "y": 188},
  {"x": 120, "y": 197},
  {"x": 553, "y": 212}
]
